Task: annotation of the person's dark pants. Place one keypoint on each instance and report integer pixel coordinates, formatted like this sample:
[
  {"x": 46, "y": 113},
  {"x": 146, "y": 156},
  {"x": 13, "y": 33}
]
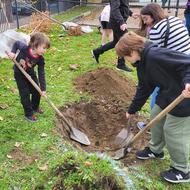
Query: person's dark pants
[
  {"x": 187, "y": 19},
  {"x": 25, "y": 90},
  {"x": 117, "y": 34}
]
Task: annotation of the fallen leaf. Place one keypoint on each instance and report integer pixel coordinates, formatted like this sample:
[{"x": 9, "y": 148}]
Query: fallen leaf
[
  {"x": 17, "y": 144},
  {"x": 43, "y": 135},
  {"x": 1, "y": 118},
  {"x": 88, "y": 163},
  {"x": 9, "y": 156},
  {"x": 13, "y": 90},
  {"x": 59, "y": 69},
  {"x": 43, "y": 167},
  {"x": 4, "y": 106},
  {"x": 74, "y": 66}
]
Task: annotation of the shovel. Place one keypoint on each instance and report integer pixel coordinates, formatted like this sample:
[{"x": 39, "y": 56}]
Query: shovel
[
  {"x": 124, "y": 135},
  {"x": 75, "y": 134},
  {"x": 125, "y": 149}
]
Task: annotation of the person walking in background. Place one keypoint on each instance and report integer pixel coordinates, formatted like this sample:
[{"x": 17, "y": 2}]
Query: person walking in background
[
  {"x": 187, "y": 16},
  {"x": 106, "y": 29},
  {"x": 119, "y": 14},
  {"x": 29, "y": 56},
  {"x": 169, "y": 70}
]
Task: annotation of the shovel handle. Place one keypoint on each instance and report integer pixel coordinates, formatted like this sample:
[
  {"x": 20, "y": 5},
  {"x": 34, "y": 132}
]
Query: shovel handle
[
  {"x": 68, "y": 128},
  {"x": 50, "y": 18},
  {"x": 157, "y": 118}
]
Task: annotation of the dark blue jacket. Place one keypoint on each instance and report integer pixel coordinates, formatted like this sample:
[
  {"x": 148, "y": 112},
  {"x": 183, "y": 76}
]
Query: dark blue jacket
[
  {"x": 31, "y": 62},
  {"x": 167, "y": 69}
]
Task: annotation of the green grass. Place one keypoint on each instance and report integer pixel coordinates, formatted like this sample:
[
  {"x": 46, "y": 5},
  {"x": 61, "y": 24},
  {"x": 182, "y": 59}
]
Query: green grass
[{"x": 19, "y": 171}]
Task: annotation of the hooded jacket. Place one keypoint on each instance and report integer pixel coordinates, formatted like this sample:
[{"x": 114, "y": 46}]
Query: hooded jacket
[{"x": 167, "y": 69}]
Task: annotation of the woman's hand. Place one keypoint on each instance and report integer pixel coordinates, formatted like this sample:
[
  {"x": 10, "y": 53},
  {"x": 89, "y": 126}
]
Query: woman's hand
[
  {"x": 129, "y": 116},
  {"x": 186, "y": 91}
]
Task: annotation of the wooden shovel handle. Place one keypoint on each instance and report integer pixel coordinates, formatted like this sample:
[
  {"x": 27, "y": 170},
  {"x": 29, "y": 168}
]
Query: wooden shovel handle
[
  {"x": 67, "y": 126},
  {"x": 158, "y": 117}
]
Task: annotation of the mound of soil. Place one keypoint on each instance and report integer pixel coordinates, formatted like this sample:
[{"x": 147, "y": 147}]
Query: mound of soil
[{"x": 104, "y": 116}]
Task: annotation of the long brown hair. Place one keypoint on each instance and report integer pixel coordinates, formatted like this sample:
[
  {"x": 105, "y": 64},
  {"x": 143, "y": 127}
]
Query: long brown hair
[
  {"x": 155, "y": 11},
  {"x": 128, "y": 43}
]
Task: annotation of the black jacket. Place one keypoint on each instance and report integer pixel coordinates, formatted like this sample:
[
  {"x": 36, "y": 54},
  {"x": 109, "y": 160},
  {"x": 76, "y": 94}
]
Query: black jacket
[
  {"x": 31, "y": 62},
  {"x": 119, "y": 11},
  {"x": 167, "y": 69}
]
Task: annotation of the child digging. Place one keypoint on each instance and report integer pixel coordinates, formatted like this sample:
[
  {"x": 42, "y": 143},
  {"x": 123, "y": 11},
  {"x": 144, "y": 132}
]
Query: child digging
[{"x": 28, "y": 57}]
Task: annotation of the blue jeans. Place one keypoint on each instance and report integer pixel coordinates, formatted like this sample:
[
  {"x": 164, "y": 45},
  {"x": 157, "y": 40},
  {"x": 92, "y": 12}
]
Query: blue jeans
[
  {"x": 187, "y": 19},
  {"x": 153, "y": 97}
]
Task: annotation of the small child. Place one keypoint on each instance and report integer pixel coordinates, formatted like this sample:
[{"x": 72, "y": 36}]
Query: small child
[{"x": 28, "y": 57}]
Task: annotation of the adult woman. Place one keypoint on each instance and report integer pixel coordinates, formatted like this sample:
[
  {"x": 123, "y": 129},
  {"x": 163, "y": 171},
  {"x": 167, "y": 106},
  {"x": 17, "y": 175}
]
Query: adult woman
[
  {"x": 168, "y": 32},
  {"x": 170, "y": 71}
]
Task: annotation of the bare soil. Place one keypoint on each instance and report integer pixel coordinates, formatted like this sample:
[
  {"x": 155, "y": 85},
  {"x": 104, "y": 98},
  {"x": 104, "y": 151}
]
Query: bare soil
[{"x": 103, "y": 117}]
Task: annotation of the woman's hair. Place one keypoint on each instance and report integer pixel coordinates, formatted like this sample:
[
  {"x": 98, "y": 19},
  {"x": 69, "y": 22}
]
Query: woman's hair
[
  {"x": 142, "y": 30},
  {"x": 128, "y": 43},
  {"x": 37, "y": 39},
  {"x": 155, "y": 11}
]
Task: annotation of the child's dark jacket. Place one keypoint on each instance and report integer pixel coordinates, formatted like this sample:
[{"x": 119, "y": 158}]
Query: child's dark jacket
[
  {"x": 31, "y": 62},
  {"x": 167, "y": 69}
]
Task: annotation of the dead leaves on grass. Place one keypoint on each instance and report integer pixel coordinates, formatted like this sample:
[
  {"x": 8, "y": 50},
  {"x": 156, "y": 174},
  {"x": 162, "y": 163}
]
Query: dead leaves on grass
[{"x": 3, "y": 106}]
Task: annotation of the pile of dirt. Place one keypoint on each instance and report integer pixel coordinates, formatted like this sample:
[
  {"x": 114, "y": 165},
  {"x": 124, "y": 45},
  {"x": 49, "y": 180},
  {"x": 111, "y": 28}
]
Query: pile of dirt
[
  {"x": 104, "y": 116},
  {"x": 106, "y": 85}
]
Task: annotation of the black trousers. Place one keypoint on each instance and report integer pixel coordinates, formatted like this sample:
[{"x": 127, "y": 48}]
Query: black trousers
[
  {"x": 117, "y": 34},
  {"x": 26, "y": 89}
]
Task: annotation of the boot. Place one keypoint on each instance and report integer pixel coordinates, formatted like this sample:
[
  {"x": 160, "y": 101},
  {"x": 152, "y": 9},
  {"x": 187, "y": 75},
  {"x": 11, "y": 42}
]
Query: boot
[{"x": 121, "y": 65}]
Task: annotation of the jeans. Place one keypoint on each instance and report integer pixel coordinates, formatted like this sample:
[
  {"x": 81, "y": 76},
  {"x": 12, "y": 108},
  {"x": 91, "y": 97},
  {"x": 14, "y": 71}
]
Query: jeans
[
  {"x": 153, "y": 97},
  {"x": 187, "y": 19}
]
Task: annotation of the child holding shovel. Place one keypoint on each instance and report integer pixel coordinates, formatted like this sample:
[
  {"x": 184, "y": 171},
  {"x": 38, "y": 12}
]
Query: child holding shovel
[
  {"x": 170, "y": 71},
  {"x": 28, "y": 57}
]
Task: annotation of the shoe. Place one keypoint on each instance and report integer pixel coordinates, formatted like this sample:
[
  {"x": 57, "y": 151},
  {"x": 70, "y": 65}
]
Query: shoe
[
  {"x": 32, "y": 118},
  {"x": 147, "y": 154},
  {"x": 39, "y": 110},
  {"x": 175, "y": 176},
  {"x": 140, "y": 125},
  {"x": 124, "y": 68},
  {"x": 95, "y": 56}
]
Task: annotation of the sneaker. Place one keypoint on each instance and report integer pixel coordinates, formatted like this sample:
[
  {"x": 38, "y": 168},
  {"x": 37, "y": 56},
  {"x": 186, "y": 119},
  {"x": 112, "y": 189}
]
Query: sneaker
[
  {"x": 147, "y": 154},
  {"x": 175, "y": 176},
  {"x": 141, "y": 125},
  {"x": 124, "y": 68},
  {"x": 95, "y": 56},
  {"x": 32, "y": 118},
  {"x": 39, "y": 110}
]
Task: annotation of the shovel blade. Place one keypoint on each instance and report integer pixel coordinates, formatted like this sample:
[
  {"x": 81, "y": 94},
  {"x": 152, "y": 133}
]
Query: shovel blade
[
  {"x": 120, "y": 154},
  {"x": 79, "y": 136},
  {"x": 122, "y": 135}
]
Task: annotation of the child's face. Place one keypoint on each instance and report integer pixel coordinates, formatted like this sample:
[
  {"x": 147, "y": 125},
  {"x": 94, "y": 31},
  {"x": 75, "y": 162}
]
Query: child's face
[
  {"x": 147, "y": 19},
  {"x": 40, "y": 50},
  {"x": 133, "y": 58}
]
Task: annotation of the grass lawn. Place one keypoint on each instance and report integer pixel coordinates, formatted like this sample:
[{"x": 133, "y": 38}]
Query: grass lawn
[{"x": 29, "y": 150}]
